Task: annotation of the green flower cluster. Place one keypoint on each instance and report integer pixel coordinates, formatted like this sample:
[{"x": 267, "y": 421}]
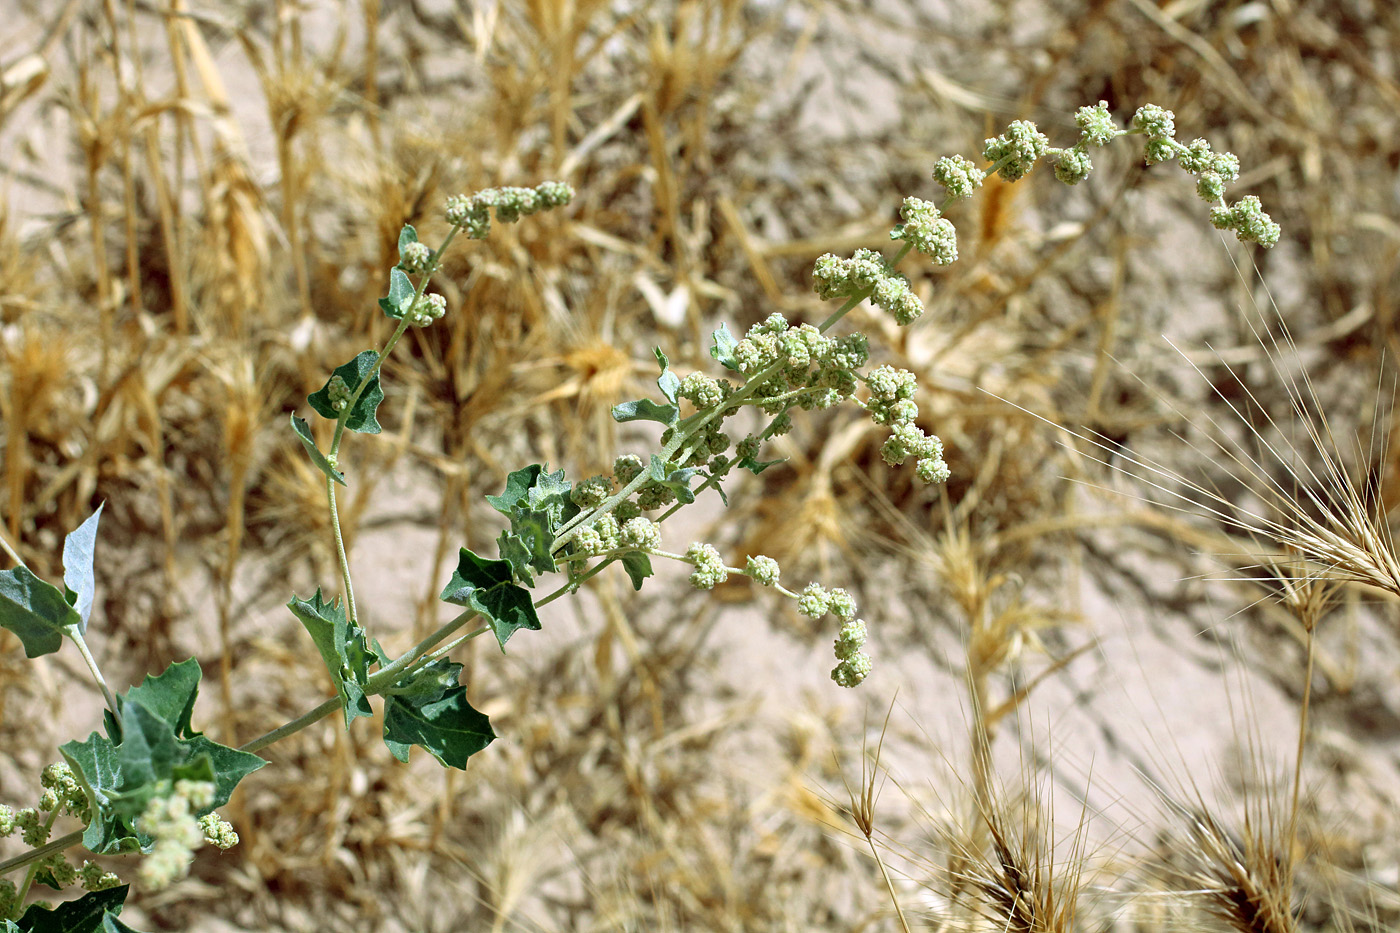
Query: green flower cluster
[
  {"x": 1015, "y": 151},
  {"x": 959, "y": 176},
  {"x": 472, "y": 213},
  {"x": 853, "y": 665},
  {"x": 426, "y": 310},
  {"x": 868, "y": 273},
  {"x": 762, "y": 570},
  {"x": 176, "y": 830},
  {"x": 927, "y": 231},
  {"x": 709, "y": 568},
  {"x": 62, "y": 795},
  {"x": 417, "y": 258}
]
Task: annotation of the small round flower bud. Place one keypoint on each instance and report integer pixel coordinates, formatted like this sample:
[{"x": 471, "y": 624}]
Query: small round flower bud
[
  {"x": 1019, "y": 147},
  {"x": 1226, "y": 165},
  {"x": 94, "y": 878},
  {"x": 709, "y": 568},
  {"x": 339, "y": 393},
  {"x": 1155, "y": 122},
  {"x": 512, "y": 203},
  {"x": 959, "y": 176},
  {"x": 428, "y": 309},
  {"x": 1210, "y": 187},
  {"x": 841, "y": 604},
  {"x": 932, "y": 471},
  {"x": 853, "y": 670},
  {"x": 217, "y": 831},
  {"x": 588, "y": 541},
  {"x": 590, "y": 493},
  {"x": 416, "y": 257},
  {"x": 892, "y": 295},
  {"x": 472, "y": 215},
  {"x": 1197, "y": 157},
  {"x": 1073, "y": 166},
  {"x": 641, "y": 533},
  {"x": 627, "y": 510},
  {"x": 762, "y": 570},
  {"x": 554, "y": 193},
  {"x": 31, "y": 827},
  {"x": 7, "y": 820},
  {"x": 700, "y": 389},
  {"x": 627, "y": 468},
  {"x": 653, "y": 495},
  {"x": 814, "y": 601},
  {"x": 1159, "y": 150},
  {"x": 1096, "y": 124},
  {"x": 850, "y": 639},
  {"x": 927, "y": 231},
  {"x": 63, "y": 871}
]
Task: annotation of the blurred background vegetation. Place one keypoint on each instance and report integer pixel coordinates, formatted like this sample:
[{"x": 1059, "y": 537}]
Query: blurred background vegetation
[{"x": 200, "y": 203}]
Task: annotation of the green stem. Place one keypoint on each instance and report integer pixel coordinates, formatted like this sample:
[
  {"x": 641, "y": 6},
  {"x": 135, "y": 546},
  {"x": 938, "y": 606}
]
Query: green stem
[
  {"x": 341, "y": 556},
  {"x": 78, "y": 640},
  {"x": 340, "y": 422},
  {"x": 48, "y": 848}
]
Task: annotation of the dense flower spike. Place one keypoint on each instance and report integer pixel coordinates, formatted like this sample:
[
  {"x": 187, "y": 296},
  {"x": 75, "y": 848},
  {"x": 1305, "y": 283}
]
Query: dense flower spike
[
  {"x": 472, "y": 214},
  {"x": 177, "y": 832},
  {"x": 1248, "y": 220}
]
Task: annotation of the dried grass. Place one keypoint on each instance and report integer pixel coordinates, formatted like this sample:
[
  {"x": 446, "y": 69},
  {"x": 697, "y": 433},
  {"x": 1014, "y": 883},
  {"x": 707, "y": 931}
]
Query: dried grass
[{"x": 198, "y": 209}]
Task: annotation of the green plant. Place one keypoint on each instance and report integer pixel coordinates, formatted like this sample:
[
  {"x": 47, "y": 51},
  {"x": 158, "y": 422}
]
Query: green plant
[{"x": 152, "y": 783}]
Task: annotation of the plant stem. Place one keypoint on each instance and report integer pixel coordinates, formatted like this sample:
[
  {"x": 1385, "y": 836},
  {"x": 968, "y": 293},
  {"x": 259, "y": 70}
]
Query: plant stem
[
  {"x": 78, "y": 640},
  {"x": 1298, "y": 761},
  {"x": 340, "y": 554},
  {"x": 48, "y": 848}
]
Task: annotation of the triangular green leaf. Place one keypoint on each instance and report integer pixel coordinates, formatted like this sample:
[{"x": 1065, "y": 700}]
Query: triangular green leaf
[
  {"x": 229, "y": 766},
  {"x": 517, "y": 488},
  {"x": 77, "y": 566},
  {"x": 638, "y": 567},
  {"x": 87, "y": 914},
  {"x": 487, "y": 586},
  {"x": 362, "y": 417},
  {"x": 34, "y": 610},
  {"x": 406, "y": 236},
  {"x": 303, "y": 431},
  {"x": 550, "y": 492},
  {"x": 170, "y": 695},
  {"x": 667, "y": 382},
  {"x": 756, "y": 466},
  {"x": 446, "y": 724},
  {"x": 401, "y": 291},
  {"x": 96, "y": 765},
  {"x": 644, "y": 409},
  {"x": 148, "y": 753},
  {"x": 723, "y": 348},
  {"x": 343, "y": 649}
]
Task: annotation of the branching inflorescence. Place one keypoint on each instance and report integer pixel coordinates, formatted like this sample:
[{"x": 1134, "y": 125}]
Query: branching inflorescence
[{"x": 152, "y": 783}]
